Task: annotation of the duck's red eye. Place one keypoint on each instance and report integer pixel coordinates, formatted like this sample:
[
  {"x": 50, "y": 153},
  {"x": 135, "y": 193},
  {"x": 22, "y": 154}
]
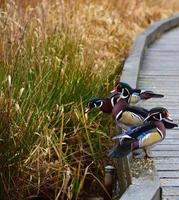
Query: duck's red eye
[{"x": 168, "y": 115}]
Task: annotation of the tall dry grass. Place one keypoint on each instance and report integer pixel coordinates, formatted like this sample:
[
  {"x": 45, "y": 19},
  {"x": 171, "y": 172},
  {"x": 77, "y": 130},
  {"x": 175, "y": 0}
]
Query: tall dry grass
[{"x": 54, "y": 55}]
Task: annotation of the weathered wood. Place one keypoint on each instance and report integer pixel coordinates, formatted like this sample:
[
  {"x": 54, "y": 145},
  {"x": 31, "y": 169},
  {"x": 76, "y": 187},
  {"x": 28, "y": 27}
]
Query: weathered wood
[
  {"x": 174, "y": 197},
  {"x": 123, "y": 174},
  {"x": 170, "y": 154},
  {"x": 166, "y": 167},
  {"x": 165, "y": 160},
  {"x": 168, "y": 174},
  {"x": 160, "y": 73},
  {"x": 170, "y": 191},
  {"x": 169, "y": 182},
  {"x": 170, "y": 141},
  {"x": 166, "y": 147}
]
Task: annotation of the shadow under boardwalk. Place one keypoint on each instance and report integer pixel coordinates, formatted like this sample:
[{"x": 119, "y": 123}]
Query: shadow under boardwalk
[{"x": 160, "y": 73}]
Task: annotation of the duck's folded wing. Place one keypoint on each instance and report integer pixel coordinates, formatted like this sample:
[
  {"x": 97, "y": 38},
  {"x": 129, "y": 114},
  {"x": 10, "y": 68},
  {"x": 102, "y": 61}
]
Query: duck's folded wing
[
  {"x": 138, "y": 110},
  {"x": 135, "y": 131},
  {"x": 140, "y": 130}
]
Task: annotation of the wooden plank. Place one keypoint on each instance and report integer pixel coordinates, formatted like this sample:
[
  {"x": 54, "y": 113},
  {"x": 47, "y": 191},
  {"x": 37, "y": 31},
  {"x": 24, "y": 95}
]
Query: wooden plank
[
  {"x": 166, "y": 154},
  {"x": 160, "y": 72},
  {"x": 164, "y": 160},
  {"x": 155, "y": 49},
  {"x": 168, "y": 147},
  {"x": 168, "y": 141},
  {"x": 170, "y": 191},
  {"x": 170, "y": 80},
  {"x": 156, "y": 67},
  {"x": 172, "y": 135},
  {"x": 167, "y": 167},
  {"x": 169, "y": 182},
  {"x": 168, "y": 174},
  {"x": 163, "y": 73},
  {"x": 160, "y": 56},
  {"x": 170, "y": 197}
]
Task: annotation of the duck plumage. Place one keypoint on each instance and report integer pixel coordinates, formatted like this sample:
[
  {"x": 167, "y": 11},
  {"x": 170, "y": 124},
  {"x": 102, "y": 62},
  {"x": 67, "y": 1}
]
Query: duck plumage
[
  {"x": 149, "y": 133},
  {"x": 137, "y": 94}
]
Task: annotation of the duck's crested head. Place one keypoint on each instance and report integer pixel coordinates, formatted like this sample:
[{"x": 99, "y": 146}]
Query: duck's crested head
[
  {"x": 158, "y": 114},
  {"x": 93, "y": 103},
  {"x": 124, "y": 85},
  {"x": 123, "y": 88}
]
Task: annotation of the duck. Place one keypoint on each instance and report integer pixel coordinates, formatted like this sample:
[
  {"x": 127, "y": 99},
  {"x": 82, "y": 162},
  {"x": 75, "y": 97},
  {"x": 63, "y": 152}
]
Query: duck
[
  {"x": 105, "y": 105},
  {"x": 138, "y": 95},
  {"x": 151, "y": 132},
  {"x": 122, "y": 114},
  {"x": 119, "y": 103},
  {"x": 130, "y": 116}
]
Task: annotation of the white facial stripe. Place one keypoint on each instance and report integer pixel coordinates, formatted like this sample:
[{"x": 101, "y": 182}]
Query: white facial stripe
[
  {"x": 112, "y": 101},
  {"x": 122, "y": 93},
  {"x": 160, "y": 116},
  {"x": 160, "y": 132},
  {"x": 118, "y": 115},
  {"x": 100, "y": 104},
  {"x": 156, "y": 118},
  {"x": 142, "y": 91}
]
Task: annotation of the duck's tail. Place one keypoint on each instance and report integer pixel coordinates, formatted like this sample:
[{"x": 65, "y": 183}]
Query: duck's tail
[
  {"x": 118, "y": 152},
  {"x": 144, "y": 95},
  {"x": 155, "y": 95}
]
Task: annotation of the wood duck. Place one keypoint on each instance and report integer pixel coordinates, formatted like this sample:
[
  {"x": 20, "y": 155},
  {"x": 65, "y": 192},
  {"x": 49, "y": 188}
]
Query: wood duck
[
  {"x": 137, "y": 94},
  {"x": 105, "y": 105},
  {"x": 141, "y": 137},
  {"x": 129, "y": 115},
  {"x": 122, "y": 114}
]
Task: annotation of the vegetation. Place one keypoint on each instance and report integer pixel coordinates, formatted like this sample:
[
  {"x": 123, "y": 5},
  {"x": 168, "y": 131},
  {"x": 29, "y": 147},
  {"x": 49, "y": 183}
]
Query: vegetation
[{"x": 54, "y": 56}]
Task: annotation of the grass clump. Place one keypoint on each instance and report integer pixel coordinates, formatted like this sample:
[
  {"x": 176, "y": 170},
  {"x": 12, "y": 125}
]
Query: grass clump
[{"x": 54, "y": 56}]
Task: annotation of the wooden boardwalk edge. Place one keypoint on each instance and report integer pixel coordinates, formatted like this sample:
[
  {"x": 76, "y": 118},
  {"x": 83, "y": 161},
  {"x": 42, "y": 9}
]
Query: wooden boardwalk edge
[{"x": 133, "y": 62}]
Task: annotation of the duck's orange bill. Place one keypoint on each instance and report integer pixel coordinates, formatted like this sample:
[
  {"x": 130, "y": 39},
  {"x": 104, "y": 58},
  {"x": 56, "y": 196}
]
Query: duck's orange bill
[{"x": 114, "y": 90}]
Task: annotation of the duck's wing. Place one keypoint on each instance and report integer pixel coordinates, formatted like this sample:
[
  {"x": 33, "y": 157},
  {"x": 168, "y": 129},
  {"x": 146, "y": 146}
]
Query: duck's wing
[
  {"x": 136, "y": 132},
  {"x": 138, "y": 110}
]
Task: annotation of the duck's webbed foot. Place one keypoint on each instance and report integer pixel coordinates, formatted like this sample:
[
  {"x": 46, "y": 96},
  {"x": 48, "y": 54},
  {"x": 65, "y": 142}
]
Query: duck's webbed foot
[
  {"x": 147, "y": 154},
  {"x": 138, "y": 154}
]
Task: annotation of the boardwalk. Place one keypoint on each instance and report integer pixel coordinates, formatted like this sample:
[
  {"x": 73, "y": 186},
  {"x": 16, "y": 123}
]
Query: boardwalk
[{"x": 160, "y": 73}]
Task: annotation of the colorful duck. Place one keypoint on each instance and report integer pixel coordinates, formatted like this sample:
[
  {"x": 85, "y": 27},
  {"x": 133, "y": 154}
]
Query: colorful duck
[
  {"x": 123, "y": 116},
  {"x": 149, "y": 133},
  {"x": 137, "y": 94},
  {"x": 129, "y": 115}
]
